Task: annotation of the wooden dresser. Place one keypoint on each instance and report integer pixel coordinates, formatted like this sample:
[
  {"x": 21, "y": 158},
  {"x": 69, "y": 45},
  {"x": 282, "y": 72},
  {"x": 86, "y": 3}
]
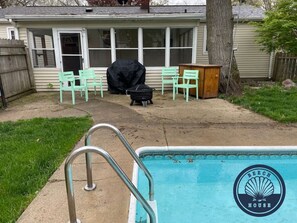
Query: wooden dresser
[{"x": 209, "y": 78}]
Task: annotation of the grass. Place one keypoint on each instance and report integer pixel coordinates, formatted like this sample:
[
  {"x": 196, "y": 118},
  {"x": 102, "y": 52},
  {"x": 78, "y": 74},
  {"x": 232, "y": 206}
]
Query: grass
[
  {"x": 274, "y": 102},
  {"x": 30, "y": 152}
]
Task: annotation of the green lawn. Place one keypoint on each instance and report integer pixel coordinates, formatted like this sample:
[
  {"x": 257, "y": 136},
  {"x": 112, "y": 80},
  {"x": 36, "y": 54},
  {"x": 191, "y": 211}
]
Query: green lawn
[
  {"x": 274, "y": 102},
  {"x": 30, "y": 151}
]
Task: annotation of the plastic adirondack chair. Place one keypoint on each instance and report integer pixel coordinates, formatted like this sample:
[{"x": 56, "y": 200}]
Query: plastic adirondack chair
[
  {"x": 91, "y": 80},
  {"x": 168, "y": 73},
  {"x": 68, "y": 77},
  {"x": 188, "y": 77}
]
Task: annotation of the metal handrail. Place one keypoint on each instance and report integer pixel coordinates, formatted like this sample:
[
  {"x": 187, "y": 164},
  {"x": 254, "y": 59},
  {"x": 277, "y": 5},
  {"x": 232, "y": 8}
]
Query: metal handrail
[
  {"x": 116, "y": 168},
  {"x": 90, "y": 185}
]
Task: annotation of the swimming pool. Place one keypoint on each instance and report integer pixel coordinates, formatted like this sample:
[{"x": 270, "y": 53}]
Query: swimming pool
[{"x": 219, "y": 184}]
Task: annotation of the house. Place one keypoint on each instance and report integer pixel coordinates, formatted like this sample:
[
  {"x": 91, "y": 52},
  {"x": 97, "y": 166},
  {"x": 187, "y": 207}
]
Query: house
[
  {"x": 7, "y": 29},
  {"x": 73, "y": 38}
]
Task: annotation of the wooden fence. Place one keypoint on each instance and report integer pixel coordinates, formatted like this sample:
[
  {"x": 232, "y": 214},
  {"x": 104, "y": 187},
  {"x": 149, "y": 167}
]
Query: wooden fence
[
  {"x": 285, "y": 67},
  {"x": 16, "y": 76}
]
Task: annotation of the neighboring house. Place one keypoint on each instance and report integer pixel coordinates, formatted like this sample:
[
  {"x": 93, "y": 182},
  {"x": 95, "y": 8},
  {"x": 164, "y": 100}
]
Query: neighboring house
[
  {"x": 7, "y": 30},
  {"x": 73, "y": 38}
]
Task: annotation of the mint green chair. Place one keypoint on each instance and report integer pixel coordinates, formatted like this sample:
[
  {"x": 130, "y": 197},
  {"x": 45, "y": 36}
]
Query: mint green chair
[
  {"x": 66, "y": 78},
  {"x": 91, "y": 80},
  {"x": 168, "y": 73},
  {"x": 189, "y": 80}
]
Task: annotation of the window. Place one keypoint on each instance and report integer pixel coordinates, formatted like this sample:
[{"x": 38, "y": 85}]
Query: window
[
  {"x": 154, "y": 47},
  {"x": 126, "y": 44},
  {"x": 99, "y": 47},
  {"x": 11, "y": 33},
  {"x": 145, "y": 44},
  {"x": 181, "y": 46},
  {"x": 42, "y": 46}
]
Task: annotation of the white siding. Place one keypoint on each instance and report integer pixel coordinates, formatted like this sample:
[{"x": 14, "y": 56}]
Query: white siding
[
  {"x": 3, "y": 30},
  {"x": 201, "y": 58},
  {"x": 45, "y": 76},
  {"x": 23, "y": 35},
  {"x": 252, "y": 62},
  {"x": 153, "y": 77}
]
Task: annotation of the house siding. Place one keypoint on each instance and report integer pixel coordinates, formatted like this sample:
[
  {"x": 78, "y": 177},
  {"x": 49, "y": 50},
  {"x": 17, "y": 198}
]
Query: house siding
[
  {"x": 3, "y": 30},
  {"x": 252, "y": 62},
  {"x": 23, "y": 35},
  {"x": 45, "y": 76},
  {"x": 201, "y": 57}
]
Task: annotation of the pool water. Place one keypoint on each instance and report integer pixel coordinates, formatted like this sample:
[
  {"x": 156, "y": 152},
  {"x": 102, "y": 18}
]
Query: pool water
[{"x": 199, "y": 188}]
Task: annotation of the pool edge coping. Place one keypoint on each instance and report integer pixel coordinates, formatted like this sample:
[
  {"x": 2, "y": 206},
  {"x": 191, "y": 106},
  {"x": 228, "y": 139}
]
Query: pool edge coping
[{"x": 256, "y": 150}]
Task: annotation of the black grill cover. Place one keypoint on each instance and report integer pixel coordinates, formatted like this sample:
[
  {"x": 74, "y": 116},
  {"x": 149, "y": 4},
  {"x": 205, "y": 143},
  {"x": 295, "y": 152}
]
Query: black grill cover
[{"x": 123, "y": 74}]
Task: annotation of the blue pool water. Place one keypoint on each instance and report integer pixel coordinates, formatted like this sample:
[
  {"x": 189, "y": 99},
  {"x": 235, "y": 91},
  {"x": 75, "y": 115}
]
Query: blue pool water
[{"x": 199, "y": 188}]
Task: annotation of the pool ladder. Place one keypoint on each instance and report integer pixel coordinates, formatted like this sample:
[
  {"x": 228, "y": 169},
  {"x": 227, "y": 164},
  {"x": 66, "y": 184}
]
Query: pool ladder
[{"x": 87, "y": 150}]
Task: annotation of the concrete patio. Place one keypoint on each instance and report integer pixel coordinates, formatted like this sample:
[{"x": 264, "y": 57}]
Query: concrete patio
[{"x": 211, "y": 122}]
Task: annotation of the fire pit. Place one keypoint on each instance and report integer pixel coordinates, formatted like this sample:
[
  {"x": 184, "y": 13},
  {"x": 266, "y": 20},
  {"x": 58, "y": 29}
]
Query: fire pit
[{"x": 140, "y": 93}]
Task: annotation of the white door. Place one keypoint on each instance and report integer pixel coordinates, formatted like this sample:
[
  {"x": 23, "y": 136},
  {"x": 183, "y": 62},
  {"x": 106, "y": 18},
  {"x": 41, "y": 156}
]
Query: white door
[{"x": 71, "y": 50}]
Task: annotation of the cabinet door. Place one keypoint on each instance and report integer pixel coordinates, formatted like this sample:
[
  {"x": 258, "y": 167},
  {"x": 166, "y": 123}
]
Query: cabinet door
[{"x": 211, "y": 82}]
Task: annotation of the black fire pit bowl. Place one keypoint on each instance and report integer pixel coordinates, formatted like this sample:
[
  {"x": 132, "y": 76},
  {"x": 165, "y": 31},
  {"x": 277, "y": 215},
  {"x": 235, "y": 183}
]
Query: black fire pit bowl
[{"x": 140, "y": 93}]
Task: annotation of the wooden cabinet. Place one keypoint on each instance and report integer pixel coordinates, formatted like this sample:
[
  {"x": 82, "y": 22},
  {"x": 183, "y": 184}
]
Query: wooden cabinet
[{"x": 209, "y": 78}]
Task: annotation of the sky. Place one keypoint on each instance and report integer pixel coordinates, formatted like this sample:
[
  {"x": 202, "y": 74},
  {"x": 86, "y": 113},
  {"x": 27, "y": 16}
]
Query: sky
[{"x": 186, "y": 2}]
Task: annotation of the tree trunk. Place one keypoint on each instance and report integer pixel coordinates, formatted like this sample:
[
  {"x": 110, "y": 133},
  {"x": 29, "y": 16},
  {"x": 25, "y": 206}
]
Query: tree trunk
[{"x": 220, "y": 44}]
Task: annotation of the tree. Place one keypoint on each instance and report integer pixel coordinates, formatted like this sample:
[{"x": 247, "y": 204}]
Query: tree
[
  {"x": 66, "y": 2},
  {"x": 102, "y": 2},
  {"x": 5, "y": 3},
  {"x": 113, "y": 2},
  {"x": 128, "y": 2},
  {"x": 278, "y": 32},
  {"x": 265, "y": 4},
  {"x": 159, "y": 2},
  {"x": 268, "y": 4},
  {"x": 219, "y": 20}
]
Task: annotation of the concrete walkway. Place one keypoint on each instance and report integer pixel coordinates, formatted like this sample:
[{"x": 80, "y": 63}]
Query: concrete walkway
[{"x": 176, "y": 123}]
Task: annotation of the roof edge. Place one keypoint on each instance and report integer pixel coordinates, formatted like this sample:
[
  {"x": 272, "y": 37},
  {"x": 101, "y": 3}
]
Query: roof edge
[{"x": 151, "y": 16}]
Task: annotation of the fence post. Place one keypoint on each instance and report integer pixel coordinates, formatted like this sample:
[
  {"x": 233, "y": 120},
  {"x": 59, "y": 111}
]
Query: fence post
[
  {"x": 29, "y": 66},
  {"x": 4, "y": 103},
  {"x": 275, "y": 68}
]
